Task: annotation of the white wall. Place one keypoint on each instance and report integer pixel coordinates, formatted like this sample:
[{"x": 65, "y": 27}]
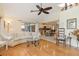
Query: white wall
[
  {"x": 69, "y": 14},
  {"x": 53, "y": 14},
  {"x": 15, "y": 26},
  {"x": 1, "y": 14},
  {"x": 1, "y": 11},
  {"x": 22, "y": 11}
]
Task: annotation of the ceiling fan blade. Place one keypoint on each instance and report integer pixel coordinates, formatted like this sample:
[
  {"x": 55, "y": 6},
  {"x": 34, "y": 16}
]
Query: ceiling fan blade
[
  {"x": 34, "y": 10},
  {"x": 45, "y": 12},
  {"x": 48, "y": 8},
  {"x": 38, "y": 6},
  {"x": 39, "y": 13}
]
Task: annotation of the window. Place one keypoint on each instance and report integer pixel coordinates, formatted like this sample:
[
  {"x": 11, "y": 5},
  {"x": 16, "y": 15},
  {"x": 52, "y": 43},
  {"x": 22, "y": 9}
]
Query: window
[{"x": 28, "y": 27}]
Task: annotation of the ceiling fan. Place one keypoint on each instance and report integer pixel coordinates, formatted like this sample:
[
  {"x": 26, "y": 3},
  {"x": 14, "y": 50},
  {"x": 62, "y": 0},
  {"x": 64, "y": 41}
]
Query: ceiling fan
[{"x": 41, "y": 9}]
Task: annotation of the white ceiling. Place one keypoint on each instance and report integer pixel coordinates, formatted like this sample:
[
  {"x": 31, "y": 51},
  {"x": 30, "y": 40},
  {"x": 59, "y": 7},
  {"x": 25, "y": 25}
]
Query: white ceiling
[{"x": 21, "y": 11}]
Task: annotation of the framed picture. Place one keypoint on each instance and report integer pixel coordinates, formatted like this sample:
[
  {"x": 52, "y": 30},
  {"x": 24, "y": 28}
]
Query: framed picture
[{"x": 72, "y": 23}]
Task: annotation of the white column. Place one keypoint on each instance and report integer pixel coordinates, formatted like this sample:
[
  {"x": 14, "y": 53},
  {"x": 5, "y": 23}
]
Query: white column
[{"x": 37, "y": 27}]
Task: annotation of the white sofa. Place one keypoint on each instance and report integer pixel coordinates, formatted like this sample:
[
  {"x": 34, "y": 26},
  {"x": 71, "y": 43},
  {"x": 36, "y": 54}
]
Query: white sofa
[
  {"x": 22, "y": 38},
  {"x": 4, "y": 39},
  {"x": 18, "y": 38},
  {"x": 2, "y": 42}
]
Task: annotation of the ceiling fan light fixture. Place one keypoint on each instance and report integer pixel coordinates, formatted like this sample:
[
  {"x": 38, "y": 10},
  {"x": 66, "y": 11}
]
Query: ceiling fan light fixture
[{"x": 42, "y": 10}]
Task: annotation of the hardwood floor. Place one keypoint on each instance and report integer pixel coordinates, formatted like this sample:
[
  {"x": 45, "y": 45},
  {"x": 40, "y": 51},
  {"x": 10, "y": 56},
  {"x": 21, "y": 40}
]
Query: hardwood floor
[{"x": 44, "y": 49}]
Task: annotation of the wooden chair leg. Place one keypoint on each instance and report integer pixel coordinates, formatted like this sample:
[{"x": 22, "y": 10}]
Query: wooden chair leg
[
  {"x": 28, "y": 44},
  {"x": 65, "y": 43},
  {"x": 34, "y": 42},
  {"x": 38, "y": 42},
  {"x": 57, "y": 42}
]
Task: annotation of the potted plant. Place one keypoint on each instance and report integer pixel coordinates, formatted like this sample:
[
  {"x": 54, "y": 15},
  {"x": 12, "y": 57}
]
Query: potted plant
[{"x": 76, "y": 33}]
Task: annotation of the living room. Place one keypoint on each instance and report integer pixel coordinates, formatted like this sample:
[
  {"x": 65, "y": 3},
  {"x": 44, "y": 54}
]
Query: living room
[{"x": 29, "y": 27}]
